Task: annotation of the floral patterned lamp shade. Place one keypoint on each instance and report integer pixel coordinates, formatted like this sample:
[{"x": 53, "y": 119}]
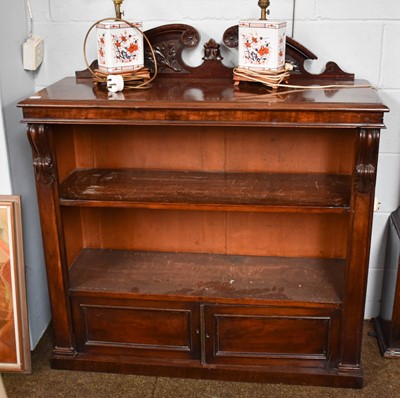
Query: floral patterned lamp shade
[
  {"x": 119, "y": 46},
  {"x": 262, "y": 44}
]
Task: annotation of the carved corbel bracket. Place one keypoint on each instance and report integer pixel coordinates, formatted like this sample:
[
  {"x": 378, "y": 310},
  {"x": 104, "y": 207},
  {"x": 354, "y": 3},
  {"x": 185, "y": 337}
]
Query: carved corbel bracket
[
  {"x": 367, "y": 159},
  {"x": 43, "y": 164}
]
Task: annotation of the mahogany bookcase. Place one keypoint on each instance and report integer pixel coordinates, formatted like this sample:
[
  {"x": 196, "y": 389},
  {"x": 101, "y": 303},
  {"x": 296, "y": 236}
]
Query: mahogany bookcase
[{"x": 202, "y": 229}]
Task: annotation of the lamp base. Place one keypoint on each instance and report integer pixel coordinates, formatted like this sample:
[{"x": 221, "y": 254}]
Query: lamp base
[
  {"x": 271, "y": 78},
  {"x": 262, "y": 44},
  {"x": 131, "y": 78}
]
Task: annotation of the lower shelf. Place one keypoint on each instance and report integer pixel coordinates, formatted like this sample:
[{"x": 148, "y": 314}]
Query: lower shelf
[{"x": 206, "y": 277}]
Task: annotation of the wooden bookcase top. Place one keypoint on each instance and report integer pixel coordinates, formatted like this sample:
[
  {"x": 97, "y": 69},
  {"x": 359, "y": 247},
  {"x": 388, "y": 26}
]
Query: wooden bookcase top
[{"x": 186, "y": 95}]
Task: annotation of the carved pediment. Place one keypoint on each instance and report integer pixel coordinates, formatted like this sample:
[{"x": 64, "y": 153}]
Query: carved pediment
[{"x": 169, "y": 42}]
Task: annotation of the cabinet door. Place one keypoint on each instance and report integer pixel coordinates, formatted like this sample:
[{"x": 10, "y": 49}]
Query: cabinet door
[
  {"x": 140, "y": 328},
  {"x": 267, "y": 335}
]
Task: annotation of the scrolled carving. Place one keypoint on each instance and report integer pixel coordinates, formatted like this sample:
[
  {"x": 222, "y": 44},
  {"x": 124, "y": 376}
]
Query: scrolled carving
[
  {"x": 168, "y": 43},
  {"x": 366, "y": 176},
  {"x": 231, "y": 37},
  {"x": 294, "y": 62},
  {"x": 168, "y": 52},
  {"x": 166, "y": 55},
  {"x": 190, "y": 38},
  {"x": 43, "y": 164},
  {"x": 367, "y": 159}
]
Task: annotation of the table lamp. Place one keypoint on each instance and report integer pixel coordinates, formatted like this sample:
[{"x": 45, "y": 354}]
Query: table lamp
[
  {"x": 119, "y": 45},
  {"x": 262, "y": 42}
]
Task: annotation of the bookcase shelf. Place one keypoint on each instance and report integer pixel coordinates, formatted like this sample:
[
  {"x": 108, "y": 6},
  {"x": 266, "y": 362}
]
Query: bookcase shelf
[
  {"x": 206, "y": 190},
  {"x": 208, "y": 277}
]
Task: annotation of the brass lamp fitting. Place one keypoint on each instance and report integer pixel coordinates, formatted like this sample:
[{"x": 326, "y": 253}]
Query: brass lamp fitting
[
  {"x": 264, "y": 4},
  {"x": 117, "y": 5}
]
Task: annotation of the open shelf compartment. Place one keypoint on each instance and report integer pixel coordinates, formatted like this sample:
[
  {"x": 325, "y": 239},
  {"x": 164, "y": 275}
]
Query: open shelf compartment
[{"x": 207, "y": 277}]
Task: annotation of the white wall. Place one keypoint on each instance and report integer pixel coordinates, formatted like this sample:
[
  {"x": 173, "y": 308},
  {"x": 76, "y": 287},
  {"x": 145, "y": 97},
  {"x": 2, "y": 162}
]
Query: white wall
[
  {"x": 15, "y": 84},
  {"x": 5, "y": 178},
  {"x": 361, "y": 36}
]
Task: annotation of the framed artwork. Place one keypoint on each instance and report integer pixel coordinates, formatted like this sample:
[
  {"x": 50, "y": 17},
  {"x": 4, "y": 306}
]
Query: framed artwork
[{"x": 14, "y": 335}]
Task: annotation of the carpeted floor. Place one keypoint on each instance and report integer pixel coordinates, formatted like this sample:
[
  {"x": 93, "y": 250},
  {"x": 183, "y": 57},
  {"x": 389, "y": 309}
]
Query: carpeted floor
[{"x": 382, "y": 379}]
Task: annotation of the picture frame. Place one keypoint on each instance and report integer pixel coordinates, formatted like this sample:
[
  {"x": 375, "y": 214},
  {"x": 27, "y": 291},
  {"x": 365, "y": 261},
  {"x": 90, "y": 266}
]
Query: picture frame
[{"x": 14, "y": 331}]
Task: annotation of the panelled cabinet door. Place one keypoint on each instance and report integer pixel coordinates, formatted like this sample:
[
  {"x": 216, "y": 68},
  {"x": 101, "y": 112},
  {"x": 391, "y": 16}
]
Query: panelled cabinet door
[
  {"x": 267, "y": 335},
  {"x": 139, "y": 328}
]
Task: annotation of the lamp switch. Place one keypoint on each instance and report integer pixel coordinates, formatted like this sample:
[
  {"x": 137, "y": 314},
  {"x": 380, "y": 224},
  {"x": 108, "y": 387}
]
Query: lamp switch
[{"x": 33, "y": 49}]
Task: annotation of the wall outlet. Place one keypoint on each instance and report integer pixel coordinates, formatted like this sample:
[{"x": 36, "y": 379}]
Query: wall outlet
[{"x": 33, "y": 49}]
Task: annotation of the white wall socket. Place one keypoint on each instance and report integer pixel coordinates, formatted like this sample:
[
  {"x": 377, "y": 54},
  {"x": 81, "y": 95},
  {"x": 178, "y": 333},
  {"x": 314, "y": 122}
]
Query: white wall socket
[{"x": 33, "y": 49}]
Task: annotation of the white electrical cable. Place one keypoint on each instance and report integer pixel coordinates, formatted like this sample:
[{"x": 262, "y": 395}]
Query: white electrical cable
[
  {"x": 293, "y": 16},
  {"x": 274, "y": 79},
  {"x": 30, "y": 17}
]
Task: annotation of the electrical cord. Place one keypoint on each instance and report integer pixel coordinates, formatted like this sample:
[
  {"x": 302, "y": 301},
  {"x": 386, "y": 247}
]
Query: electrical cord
[{"x": 274, "y": 79}]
